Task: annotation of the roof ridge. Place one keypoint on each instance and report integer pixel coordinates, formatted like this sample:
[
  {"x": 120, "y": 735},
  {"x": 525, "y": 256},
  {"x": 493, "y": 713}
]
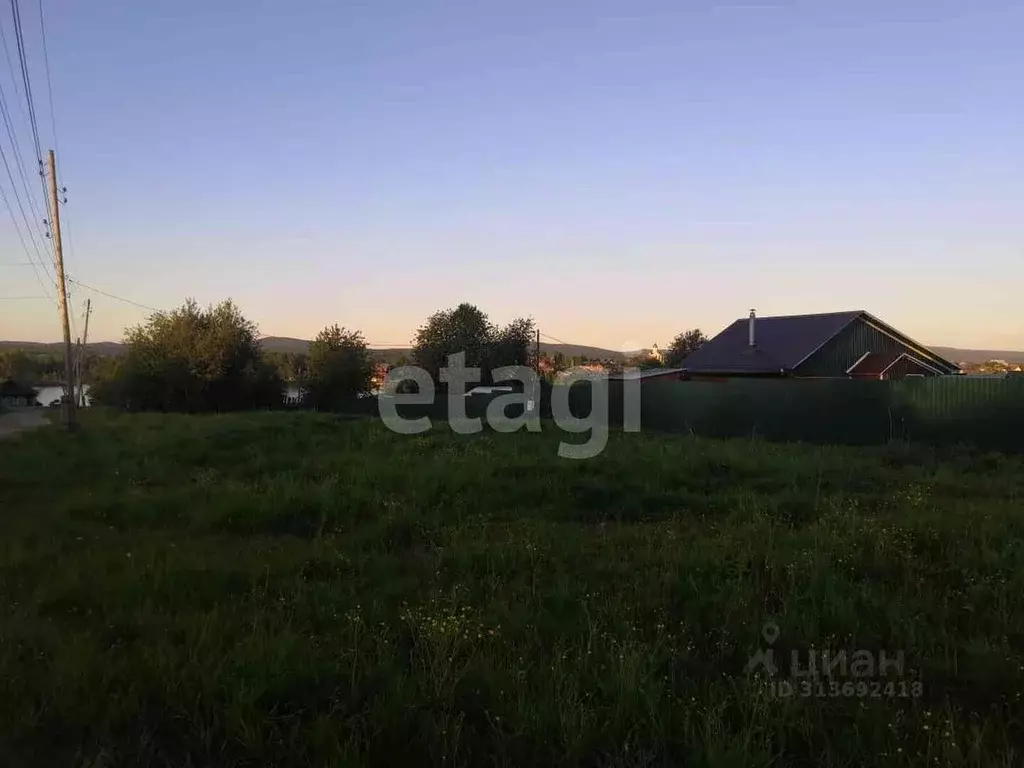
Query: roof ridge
[{"x": 805, "y": 314}]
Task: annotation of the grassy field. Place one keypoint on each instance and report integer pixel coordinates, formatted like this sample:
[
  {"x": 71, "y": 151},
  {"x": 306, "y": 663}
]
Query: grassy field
[{"x": 294, "y": 589}]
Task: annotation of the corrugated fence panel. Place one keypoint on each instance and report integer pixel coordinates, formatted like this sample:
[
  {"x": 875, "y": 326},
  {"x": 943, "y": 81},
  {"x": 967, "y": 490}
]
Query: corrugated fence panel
[
  {"x": 812, "y": 410},
  {"x": 986, "y": 412}
]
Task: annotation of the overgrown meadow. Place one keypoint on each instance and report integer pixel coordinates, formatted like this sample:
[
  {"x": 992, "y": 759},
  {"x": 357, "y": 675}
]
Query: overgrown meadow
[{"x": 296, "y": 589}]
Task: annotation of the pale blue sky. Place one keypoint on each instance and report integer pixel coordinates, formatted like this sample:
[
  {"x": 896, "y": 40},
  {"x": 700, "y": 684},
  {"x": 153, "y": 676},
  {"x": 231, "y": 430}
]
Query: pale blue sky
[{"x": 619, "y": 171}]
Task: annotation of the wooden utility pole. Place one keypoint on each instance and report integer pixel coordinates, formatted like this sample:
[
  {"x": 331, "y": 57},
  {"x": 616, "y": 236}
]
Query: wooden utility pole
[
  {"x": 536, "y": 354},
  {"x": 68, "y": 401},
  {"x": 81, "y": 354},
  {"x": 78, "y": 367}
]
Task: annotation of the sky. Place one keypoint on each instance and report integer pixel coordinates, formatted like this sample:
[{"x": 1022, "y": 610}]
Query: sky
[{"x": 619, "y": 171}]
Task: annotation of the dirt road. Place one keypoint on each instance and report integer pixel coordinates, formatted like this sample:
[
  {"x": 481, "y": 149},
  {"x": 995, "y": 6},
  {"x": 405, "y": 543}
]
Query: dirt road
[{"x": 13, "y": 422}]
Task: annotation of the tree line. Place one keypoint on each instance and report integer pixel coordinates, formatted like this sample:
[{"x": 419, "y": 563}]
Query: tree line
[
  {"x": 196, "y": 359},
  {"x": 33, "y": 368},
  {"x": 682, "y": 346}
]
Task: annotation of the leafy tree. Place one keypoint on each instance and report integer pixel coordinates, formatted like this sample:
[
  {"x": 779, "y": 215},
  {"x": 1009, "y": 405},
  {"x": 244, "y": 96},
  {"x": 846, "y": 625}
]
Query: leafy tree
[
  {"x": 109, "y": 381},
  {"x": 511, "y": 345},
  {"x": 467, "y": 329},
  {"x": 339, "y": 367},
  {"x": 17, "y": 365},
  {"x": 645, "y": 362},
  {"x": 291, "y": 366},
  {"x": 463, "y": 329},
  {"x": 682, "y": 345},
  {"x": 30, "y": 367},
  {"x": 191, "y": 360}
]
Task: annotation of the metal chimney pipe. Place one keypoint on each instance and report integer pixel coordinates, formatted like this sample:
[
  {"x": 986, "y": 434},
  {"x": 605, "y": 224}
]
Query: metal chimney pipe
[{"x": 753, "y": 318}]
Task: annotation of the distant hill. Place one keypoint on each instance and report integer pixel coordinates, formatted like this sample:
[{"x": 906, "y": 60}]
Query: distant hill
[
  {"x": 289, "y": 346},
  {"x": 292, "y": 346},
  {"x": 391, "y": 356},
  {"x": 281, "y": 344},
  {"x": 286, "y": 344},
  {"x": 578, "y": 350},
  {"x": 978, "y": 355},
  {"x": 102, "y": 348}
]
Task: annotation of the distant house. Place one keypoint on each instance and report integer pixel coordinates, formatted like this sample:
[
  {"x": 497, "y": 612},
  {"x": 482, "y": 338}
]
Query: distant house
[
  {"x": 14, "y": 395},
  {"x": 584, "y": 371},
  {"x": 648, "y": 374},
  {"x": 652, "y": 353},
  {"x": 833, "y": 345},
  {"x": 379, "y": 374},
  {"x": 489, "y": 390}
]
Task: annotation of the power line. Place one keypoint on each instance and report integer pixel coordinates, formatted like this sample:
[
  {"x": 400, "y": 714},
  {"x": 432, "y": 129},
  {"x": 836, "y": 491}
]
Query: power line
[
  {"x": 49, "y": 84},
  {"x": 19, "y": 38},
  {"x": 17, "y": 228},
  {"x": 13, "y": 136},
  {"x": 115, "y": 296},
  {"x": 71, "y": 313},
  {"x": 10, "y": 66},
  {"x": 552, "y": 338},
  {"x": 24, "y": 298},
  {"x": 53, "y": 128},
  {"x": 24, "y": 216}
]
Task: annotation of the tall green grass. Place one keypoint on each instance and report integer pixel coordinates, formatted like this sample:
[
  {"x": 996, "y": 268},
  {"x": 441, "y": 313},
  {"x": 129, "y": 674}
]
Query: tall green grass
[{"x": 295, "y": 589}]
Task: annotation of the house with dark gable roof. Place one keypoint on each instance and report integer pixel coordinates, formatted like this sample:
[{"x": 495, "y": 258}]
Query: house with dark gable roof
[
  {"x": 13, "y": 394},
  {"x": 833, "y": 345}
]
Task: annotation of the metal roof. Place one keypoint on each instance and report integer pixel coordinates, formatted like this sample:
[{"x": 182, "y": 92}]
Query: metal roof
[
  {"x": 488, "y": 390},
  {"x": 874, "y": 363},
  {"x": 11, "y": 388},
  {"x": 645, "y": 373},
  {"x": 781, "y": 343}
]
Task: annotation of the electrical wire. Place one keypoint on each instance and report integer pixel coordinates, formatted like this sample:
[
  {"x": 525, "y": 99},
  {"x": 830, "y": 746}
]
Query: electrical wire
[
  {"x": 12, "y": 135},
  {"x": 24, "y": 216},
  {"x": 69, "y": 298},
  {"x": 17, "y": 228},
  {"x": 19, "y": 38},
  {"x": 66, "y": 223},
  {"x": 10, "y": 66},
  {"x": 49, "y": 272},
  {"x": 114, "y": 296},
  {"x": 552, "y": 338},
  {"x": 49, "y": 84}
]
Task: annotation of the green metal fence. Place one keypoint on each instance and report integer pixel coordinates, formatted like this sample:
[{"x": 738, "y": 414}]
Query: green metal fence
[
  {"x": 473, "y": 407},
  {"x": 986, "y": 412}
]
